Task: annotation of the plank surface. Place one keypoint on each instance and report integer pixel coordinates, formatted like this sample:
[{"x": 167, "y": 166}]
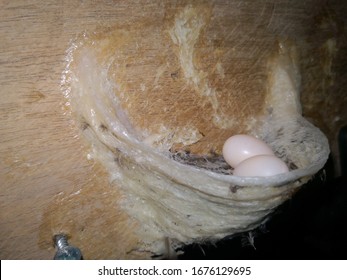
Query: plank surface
[{"x": 47, "y": 183}]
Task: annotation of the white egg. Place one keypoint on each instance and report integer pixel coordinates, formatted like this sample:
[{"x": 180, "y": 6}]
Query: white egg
[
  {"x": 240, "y": 147},
  {"x": 262, "y": 165}
]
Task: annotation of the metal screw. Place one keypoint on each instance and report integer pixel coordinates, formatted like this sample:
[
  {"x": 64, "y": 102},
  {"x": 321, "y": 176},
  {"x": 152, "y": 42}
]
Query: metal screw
[{"x": 64, "y": 250}]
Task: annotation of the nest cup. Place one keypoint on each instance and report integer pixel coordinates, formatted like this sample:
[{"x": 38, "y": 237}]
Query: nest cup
[{"x": 176, "y": 200}]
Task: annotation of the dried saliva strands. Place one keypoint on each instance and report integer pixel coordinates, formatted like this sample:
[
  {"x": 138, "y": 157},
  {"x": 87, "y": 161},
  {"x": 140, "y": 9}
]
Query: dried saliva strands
[{"x": 186, "y": 198}]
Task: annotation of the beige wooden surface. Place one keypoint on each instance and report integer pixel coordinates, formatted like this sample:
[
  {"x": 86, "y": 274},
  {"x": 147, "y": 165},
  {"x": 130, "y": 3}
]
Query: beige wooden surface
[
  {"x": 47, "y": 183},
  {"x": 43, "y": 164}
]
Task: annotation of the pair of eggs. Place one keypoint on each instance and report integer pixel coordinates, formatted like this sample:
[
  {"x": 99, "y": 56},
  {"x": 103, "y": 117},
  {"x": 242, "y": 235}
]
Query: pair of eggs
[{"x": 251, "y": 157}]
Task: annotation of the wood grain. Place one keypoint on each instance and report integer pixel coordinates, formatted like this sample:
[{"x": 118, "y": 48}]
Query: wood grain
[{"x": 43, "y": 162}]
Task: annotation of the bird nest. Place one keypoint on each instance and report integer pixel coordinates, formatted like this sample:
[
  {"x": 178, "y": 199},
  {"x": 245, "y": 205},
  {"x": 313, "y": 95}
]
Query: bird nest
[{"x": 179, "y": 196}]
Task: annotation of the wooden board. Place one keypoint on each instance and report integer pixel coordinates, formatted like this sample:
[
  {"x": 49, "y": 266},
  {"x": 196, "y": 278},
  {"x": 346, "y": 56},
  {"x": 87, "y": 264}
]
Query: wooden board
[{"x": 47, "y": 183}]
